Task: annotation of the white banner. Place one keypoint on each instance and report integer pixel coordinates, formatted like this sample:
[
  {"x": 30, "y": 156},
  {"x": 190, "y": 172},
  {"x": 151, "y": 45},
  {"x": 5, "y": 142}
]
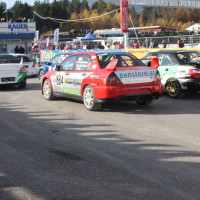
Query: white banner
[
  {"x": 136, "y": 75},
  {"x": 36, "y": 36},
  {"x": 166, "y": 3},
  {"x": 56, "y": 36},
  {"x": 23, "y": 27},
  {"x": 47, "y": 42}
]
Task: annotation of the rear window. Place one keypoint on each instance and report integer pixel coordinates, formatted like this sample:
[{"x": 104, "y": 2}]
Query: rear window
[
  {"x": 125, "y": 60},
  {"x": 25, "y": 58},
  {"x": 8, "y": 59}
]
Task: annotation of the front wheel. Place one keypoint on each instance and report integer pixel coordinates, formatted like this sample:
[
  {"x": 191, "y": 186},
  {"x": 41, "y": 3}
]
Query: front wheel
[
  {"x": 173, "y": 89},
  {"x": 89, "y": 99},
  {"x": 47, "y": 90}
]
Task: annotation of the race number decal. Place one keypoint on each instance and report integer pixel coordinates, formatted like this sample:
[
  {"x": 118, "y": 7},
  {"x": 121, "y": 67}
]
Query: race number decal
[{"x": 59, "y": 79}]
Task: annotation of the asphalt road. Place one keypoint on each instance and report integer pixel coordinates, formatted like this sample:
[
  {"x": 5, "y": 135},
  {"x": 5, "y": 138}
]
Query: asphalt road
[{"x": 57, "y": 150}]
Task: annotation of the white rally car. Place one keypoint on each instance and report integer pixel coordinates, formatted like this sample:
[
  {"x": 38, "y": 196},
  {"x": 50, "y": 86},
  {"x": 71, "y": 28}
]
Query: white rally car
[
  {"x": 11, "y": 71},
  {"x": 28, "y": 63}
]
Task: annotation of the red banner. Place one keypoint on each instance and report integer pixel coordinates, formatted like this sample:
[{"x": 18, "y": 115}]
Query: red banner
[{"x": 124, "y": 15}]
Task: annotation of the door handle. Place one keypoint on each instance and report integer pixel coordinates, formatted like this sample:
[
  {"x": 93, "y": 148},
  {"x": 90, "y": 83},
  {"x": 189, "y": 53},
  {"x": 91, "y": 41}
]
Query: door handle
[{"x": 84, "y": 74}]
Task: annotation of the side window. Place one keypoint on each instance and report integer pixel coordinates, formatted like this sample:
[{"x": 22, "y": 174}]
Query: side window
[
  {"x": 68, "y": 64},
  {"x": 54, "y": 60},
  {"x": 164, "y": 60},
  {"x": 83, "y": 63}
]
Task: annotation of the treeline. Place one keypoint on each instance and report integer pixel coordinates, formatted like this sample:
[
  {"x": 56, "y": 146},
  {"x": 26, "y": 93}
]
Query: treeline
[{"x": 79, "y": 9}]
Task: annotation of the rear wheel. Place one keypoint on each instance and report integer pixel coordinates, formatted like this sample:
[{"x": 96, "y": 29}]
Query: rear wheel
[
  {"x": 22, "y": 85},
  {"x": 47, "y": 90},
  {"x": 89, "y": 99},
  {"x": 143, "y": 102},
  {"x": 173, "y": 89}
]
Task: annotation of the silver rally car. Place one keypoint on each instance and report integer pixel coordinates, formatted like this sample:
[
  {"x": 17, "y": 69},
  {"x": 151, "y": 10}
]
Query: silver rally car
[{"x": 179, "y": 70}]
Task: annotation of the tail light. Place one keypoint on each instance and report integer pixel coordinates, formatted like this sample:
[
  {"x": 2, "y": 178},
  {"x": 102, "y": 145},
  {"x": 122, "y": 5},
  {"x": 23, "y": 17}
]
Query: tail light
[
  {"x": 194, "y": 73},
  {"x": 112, "y": 80},
  {"x": 33, "y": 65},
  {"x": 22, "y": 70},
  {"x": 157, "y": 77}
]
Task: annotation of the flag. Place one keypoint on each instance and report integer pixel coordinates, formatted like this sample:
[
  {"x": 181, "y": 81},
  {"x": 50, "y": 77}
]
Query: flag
[
  {"x": 56, "y": 36},
  {"x": 36, "y": 36},
  {"x": 47, "y": 42}
]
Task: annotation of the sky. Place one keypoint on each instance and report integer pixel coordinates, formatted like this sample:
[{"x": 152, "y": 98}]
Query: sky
[{"x": 11, "y": 3}]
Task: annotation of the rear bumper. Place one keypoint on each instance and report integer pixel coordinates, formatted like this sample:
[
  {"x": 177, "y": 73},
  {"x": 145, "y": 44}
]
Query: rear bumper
[
  {"x": 13, "y": 79},
  {"x": 192, "y": 84},
  {"x": 152, "y": 90},
  {"x": 132, "y": 97}
]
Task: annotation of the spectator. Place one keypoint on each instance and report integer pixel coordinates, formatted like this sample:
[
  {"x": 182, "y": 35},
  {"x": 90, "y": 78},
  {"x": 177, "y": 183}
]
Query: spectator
[
  {"x": 10, "y": 20},
  {"x": 17, "y": 49},
  {"x": 24, "y": 19},
  {"x": 151, "y": 44},
  {"x": 180, "y": 43},
  {"x": 19, "y": 20},
  {"x": 21, "y": 49},
  {"x": 164, "y": 43}
]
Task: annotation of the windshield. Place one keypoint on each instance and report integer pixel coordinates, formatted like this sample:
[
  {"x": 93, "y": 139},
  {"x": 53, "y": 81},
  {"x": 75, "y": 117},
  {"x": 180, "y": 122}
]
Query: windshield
[
  {"x": 187, "y": 57},
  {"x": 125, "y": 60}
]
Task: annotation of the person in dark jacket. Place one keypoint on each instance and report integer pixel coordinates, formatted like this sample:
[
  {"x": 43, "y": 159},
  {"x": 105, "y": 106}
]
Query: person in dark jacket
[
  {"x": 17, "y": 49},
  {"x": 21, "y": 49}
]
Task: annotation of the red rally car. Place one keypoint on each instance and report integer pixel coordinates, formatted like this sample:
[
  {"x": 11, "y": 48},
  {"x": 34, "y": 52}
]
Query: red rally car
[{"x": 99, "y": 76}]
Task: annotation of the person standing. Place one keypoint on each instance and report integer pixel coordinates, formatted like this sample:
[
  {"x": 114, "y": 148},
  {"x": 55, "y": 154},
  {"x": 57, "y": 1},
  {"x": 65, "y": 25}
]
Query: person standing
[
  {"x": 164, "y": 43},
  {"x": 17, "y": 49},
  {"x": 180, "y": 43},
  {"x": 21, "y": 49}
]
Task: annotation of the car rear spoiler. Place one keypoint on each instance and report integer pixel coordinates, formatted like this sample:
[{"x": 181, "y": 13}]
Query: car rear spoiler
[
  {"x": 154, "y": 63},
  {"x": 112, "y": 64}
]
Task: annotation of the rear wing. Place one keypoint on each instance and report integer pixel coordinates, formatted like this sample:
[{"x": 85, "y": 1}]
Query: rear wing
[{"x": 153, "y": 63}]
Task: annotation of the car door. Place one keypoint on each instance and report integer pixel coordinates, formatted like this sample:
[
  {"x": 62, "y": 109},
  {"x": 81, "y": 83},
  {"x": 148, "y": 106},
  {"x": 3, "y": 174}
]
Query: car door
[
  {"x": 62, "y": 82},
  {"x": 167, "y": 68},
  {"x": 72, "y": 80}
]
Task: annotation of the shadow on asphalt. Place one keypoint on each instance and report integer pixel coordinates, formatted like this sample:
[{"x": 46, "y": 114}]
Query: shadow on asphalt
[{"x": 55, "y": 170}]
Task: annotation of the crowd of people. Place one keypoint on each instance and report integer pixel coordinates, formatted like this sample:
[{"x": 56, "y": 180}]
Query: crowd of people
[
  {"x": 18, "y": 20},
  {"x": 19, "y": 49}
]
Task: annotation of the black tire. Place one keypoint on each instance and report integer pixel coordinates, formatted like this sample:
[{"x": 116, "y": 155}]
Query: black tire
[
  {"x": 173, "y": 89},
  {"x": 89, "y": 99},
  {"x": 22, "y": 85},
  {"x": 143, "y": 102},
  {"x": 41, "y": 74},
  {"x": 47, "y": 90}
]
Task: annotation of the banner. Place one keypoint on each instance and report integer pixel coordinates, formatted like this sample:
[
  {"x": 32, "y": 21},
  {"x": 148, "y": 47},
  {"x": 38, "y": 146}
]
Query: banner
[
  {"x": 47, "y": 42},
  {"x": 124, "y": 15},
  {"x": 36, "y": 36},
  {"x": 166, "y": 3},
  {"x": 56, "y": 36}
]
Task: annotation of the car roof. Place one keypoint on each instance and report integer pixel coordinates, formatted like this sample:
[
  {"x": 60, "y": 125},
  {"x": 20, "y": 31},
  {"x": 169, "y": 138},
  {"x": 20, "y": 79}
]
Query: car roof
[
  {"x": 101, "y": 52},
  {"x": 175, "y": 51},
  {"x": 7, "y": 55}
]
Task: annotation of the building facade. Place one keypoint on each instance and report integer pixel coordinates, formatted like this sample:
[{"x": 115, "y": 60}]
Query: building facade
[{"x": 13, "y": 34}]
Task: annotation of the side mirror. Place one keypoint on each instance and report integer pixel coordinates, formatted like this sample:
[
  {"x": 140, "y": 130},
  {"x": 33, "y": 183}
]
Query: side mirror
[
  {"x": 154, "y": 63},
  {"x": 48, "y": 63},
  {"x": 57, "y": 68}
]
